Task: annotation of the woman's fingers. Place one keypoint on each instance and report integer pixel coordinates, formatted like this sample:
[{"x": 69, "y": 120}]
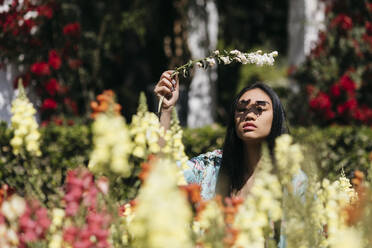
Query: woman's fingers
[
  {"x": 162, "y": 91},
  {"x": 167, "y": 75},
  {"x": 165, "y": 82}
]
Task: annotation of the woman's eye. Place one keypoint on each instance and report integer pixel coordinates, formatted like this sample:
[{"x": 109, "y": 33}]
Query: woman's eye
[{"x": 240, "y": 110}]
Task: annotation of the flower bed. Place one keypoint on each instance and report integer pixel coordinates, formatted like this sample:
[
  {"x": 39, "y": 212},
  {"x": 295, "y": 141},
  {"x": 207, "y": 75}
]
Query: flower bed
[{"x": 114, "y": 186}]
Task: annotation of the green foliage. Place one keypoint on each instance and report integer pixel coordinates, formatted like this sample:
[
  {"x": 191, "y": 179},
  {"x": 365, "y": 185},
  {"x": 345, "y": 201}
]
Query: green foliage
[
  {"x": 201, "y": 140},
  {"x": 338, "y": 148},
  {"x": 63, "y": 147}
]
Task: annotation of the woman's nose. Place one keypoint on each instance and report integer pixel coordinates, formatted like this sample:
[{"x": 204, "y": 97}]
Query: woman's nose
[{"x": 250, "y": 116}]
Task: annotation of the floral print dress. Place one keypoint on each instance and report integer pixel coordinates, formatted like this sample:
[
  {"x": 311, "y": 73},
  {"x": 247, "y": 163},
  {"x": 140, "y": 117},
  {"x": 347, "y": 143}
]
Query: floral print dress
[{"x": 203, "y": 170}]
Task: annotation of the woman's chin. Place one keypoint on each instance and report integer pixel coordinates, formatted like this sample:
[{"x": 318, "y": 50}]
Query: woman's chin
[{"x": 251, "y": 136}]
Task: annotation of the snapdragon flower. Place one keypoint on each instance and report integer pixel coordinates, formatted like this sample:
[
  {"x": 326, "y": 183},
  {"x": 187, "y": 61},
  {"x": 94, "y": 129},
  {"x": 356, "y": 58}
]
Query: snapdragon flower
[
  {"x": 26, "y": 134},
  {"x": 174, "y": 148},
  {"x": 145, "y": 131},
  {"x": 112, "y": 145},
  {"x": 335, "y": 197},
  {"x": 288, "y": 158},
  {"x": 262, "y": 205},
  {"x": 169, "y": 225},
  {"x": 210, "y": 227}
]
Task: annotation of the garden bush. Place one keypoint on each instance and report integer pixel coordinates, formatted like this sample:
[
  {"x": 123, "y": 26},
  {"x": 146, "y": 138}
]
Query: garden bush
[
  {"x": 335, "y": 79},
  {"x": 63, "y": 147}
]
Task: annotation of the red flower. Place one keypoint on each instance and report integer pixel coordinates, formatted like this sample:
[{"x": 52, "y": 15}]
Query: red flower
[
  {"x": 45, "y": 10},
  {"x": 72, "y": 105},
  {"x": 70, "y": 122},
  {"x": 72, "y": 29},
  {"x": 368, "y": 39},
  {"x": 347, "y": 84},
  {"x": 52, "y": 86},
  {"x": 343, "y": 21},
  {"x": 350, "y": 104},
  {"x": 310, "y": 89},
  {"x": 40, "y": 68},
  {"x": 335, "y": 90},
  {"x": 49, "y": 103},
  {"x": 54, "y": 59},
  {"x": 321, "y": 101},
  {"x": 329, "y": 114},
  {"x": 369, "y": 28},
  {"x": 369, "y": 6}
]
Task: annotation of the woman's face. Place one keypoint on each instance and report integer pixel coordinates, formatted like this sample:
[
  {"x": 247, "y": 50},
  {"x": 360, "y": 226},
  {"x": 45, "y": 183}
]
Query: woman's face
[{"x": 253, "y": 115}]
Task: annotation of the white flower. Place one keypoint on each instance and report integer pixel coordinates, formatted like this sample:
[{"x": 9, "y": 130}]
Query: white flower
[
  {"x": 216, "y": 52},
  {"x": 226, "y": 60},
  {"x": 199, "y": 64},
  {"x": 5, "y": 7},
  {"x": 210, "y": 61},
  {"x": 235, "y": 52},
  {"x": 30, "y": 14},
  {"x": 13, "y": 208}
]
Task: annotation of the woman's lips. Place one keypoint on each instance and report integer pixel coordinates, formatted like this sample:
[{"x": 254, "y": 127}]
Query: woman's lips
[{"x": 249, "y": 126}]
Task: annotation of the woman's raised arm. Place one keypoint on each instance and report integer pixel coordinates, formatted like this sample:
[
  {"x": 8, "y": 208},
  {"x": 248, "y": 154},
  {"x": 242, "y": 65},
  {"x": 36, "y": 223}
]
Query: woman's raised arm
[{"x": 168, "y": 87}]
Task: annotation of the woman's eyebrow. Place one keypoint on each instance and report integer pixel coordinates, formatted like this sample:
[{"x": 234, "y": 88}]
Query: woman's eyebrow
[{"x": 261, "y": 103}]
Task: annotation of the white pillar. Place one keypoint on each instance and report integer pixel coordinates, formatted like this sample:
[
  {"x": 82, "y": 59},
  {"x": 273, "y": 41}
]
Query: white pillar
[
  {"x": 306, "y": 18},
  {"x": 202, "y": 39},
  {"x": 7, "y": 75}
]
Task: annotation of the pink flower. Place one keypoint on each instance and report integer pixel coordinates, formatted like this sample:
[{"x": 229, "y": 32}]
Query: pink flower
[{"x": 72, "y": 208}]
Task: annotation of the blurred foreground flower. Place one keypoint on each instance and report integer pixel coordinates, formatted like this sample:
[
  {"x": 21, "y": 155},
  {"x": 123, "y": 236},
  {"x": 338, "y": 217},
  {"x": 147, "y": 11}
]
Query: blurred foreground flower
[
  {"x": 112, "y": 144},
  {"x": 170, "y": 221},
  {"x": 261, "y": 207}
]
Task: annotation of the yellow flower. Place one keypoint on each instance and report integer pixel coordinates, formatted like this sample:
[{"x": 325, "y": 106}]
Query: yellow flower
[
  {"x": 169, "y": 224},
  {"x": 112, "y": 145},
  {"x": 262, "y": 205},
  {"x": 26, "y": 135}
]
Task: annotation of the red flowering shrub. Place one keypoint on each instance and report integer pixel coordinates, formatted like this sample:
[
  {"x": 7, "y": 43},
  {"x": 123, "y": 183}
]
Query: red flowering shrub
[
  {"x": 336, "y": 78},
  {"x": 33, "y": 36}
]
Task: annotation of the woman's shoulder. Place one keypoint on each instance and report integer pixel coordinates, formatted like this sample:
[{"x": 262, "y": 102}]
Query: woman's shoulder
[
  {"x": 209, "y": 158},
  {"x": 204, "y": 167}
]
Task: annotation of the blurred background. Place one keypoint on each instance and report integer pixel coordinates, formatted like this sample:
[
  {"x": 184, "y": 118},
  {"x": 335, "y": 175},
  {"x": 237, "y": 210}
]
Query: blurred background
[{"x": 69, "y": 51}]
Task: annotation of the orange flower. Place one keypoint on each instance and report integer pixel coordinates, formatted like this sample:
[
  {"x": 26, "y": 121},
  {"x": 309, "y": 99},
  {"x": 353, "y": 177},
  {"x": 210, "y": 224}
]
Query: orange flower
[{"x": 105, "y": 102}]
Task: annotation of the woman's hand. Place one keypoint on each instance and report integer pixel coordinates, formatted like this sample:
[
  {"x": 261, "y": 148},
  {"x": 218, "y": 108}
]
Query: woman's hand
[{"x": 169, "y": 88}]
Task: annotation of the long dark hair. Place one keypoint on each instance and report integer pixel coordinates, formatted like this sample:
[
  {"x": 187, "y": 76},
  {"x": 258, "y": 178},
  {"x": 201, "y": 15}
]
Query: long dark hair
[{"x": 231, "y": 176}]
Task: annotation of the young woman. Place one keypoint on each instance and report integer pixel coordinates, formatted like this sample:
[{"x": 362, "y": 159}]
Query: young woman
[{"x": 256, "y": 116}]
